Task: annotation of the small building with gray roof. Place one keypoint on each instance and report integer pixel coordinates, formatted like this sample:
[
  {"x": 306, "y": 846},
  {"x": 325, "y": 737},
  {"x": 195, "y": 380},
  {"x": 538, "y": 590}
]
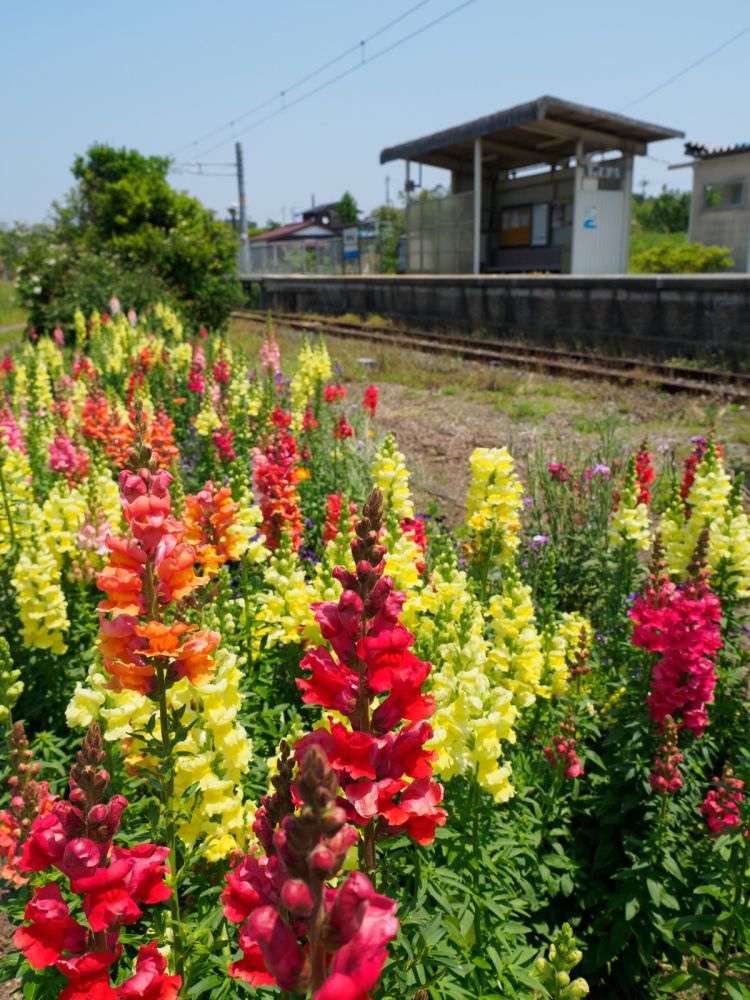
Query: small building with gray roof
[{"x": 543, "y": 186}]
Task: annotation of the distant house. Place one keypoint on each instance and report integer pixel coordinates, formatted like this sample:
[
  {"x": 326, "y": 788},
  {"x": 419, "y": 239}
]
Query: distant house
[
  {"x": 326, "y": 214},
  {"x": 301, "y": 247},
  {"x": 295, "y": 231},
  {"x": 720, "y": 205}
]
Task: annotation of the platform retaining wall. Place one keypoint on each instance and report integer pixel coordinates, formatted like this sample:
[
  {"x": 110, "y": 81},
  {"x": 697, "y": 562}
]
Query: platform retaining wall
[{"x": 698, "y": 316}]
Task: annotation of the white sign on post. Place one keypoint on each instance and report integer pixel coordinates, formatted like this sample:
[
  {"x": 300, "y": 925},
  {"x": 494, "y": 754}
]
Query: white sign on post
[{"x": 350, "y": 242}]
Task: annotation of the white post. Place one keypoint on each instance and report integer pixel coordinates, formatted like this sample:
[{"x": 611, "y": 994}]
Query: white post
[
  {"x": 577, "y": 218},
  {"x": 627, "y": 190},
  {"x": 477, "y": 259}
]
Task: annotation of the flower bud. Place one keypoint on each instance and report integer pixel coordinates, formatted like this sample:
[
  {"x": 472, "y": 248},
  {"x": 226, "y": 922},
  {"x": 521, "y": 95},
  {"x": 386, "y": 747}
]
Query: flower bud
[
  {"x": 297, "y": 898},
  {"x": 578, "y": 988}
]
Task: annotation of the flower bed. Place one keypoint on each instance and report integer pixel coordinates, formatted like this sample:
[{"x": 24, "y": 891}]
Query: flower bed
[{"x": 245, "y": 682}]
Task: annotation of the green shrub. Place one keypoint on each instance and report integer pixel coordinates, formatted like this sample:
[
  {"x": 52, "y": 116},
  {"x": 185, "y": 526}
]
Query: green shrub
[
  {"x": 124, "y": 231},
  {"x": 686, "y": 258}
]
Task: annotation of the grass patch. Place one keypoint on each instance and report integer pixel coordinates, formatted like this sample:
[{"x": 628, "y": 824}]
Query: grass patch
[
  {"x": 530, "y": 409},
  {"x": 10, "y": 309}
]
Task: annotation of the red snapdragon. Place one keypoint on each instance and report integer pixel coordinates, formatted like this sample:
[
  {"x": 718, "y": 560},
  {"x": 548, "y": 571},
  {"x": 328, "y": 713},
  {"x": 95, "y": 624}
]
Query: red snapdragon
[
  {"x": 370, "y": 400},
  {"x": 644, "y": 472},
  {"x": 29, "y": 799},
  {"x": 75, "y": 836},
  {"x": 298, "y": 933},
  {"x": 343, "y": 429},
  {"x": 665, "y": 778},
  {"x": 276, "y": 472},
  {"x": 334, "y": 393},
  {"x": 372, "y": 678},
  {"x": 334, "y": 514}
]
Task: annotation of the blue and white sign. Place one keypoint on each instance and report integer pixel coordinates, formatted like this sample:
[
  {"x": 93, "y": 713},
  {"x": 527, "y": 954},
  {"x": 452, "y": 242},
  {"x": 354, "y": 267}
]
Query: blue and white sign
[
  {"x": 350, "y": 242},
  {"x": 591, "y": 218}
]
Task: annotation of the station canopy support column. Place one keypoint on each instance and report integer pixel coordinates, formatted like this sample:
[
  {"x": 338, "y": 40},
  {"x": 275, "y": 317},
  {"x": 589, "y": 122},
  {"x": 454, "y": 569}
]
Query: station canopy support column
[{"x": 477, "y": 256}]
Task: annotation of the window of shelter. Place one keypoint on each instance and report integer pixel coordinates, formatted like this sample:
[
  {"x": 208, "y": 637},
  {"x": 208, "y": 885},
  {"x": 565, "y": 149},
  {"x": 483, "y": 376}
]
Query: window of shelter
[{"x": 729, "y": 194}]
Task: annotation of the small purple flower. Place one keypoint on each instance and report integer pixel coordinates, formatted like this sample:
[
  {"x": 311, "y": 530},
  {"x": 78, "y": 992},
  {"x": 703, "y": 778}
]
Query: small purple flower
[
  {"x": 226, "y": 480},
  {"x": 528, "y": 501},
  {"x": 601, "y": 470},
  {"x": 539, "y": 540},
  {"x": 308, "y": 522},
  {"x": 632, "y": 597}
]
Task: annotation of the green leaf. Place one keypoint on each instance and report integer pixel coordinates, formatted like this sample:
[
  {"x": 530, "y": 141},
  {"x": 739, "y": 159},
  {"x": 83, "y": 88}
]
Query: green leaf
[{"x": 631, "y": 908}]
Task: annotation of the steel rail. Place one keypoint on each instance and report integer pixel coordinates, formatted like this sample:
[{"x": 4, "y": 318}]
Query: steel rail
[{"x": 733, "y": 386}]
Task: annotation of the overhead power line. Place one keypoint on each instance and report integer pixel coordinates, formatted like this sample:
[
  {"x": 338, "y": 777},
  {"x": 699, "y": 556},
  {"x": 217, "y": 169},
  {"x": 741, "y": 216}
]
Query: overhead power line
[
  {"x": 687, "y": 69},
  {"x": 359, "y": 47},
  {"x": 340, "y": 76}
]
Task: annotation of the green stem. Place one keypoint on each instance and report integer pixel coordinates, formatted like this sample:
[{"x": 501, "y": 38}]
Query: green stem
[
  {"x": 476, "y": 793},
  {"x": 486, "y": 569},
  {"x": 6, "y": 504},
  {"x": 736, "y": 897},
  {"x": 166, "y": 786},
  {"x": 248, "y": 621}
]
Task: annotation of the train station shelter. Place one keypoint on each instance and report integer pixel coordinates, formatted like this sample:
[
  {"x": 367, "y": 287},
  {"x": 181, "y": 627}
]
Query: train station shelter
[{"x": 544, "y": 186}]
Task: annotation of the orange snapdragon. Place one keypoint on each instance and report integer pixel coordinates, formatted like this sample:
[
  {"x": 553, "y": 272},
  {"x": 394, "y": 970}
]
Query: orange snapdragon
[
  {"x": 210, "y": 527},
  {"x": 146, "y": 573}
]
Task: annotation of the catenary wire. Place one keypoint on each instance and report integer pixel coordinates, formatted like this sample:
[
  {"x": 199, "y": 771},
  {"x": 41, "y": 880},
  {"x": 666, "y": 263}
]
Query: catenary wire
[
  {"x": 687, "y": 69},
  {"x": 340, "y": 76},
  {"x": 303, "y": 80}
]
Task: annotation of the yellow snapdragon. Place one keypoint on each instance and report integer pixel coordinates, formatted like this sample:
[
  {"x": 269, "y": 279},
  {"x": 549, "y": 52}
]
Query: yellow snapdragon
[
  {"x": 473, "y": 712},
  {"x": 517, "y": 653},
  {"x": 629, "y": 525},
  {"x": 40, "y": 599},
  {"x": 283, "y": 605},
  {"x": 714, "y": 503},
  {"x": 494, "y": 501},
  {"x": 210, "y": 760},
  {"x": 390, "y": 475},
  {"x": 313, "y": 369}
]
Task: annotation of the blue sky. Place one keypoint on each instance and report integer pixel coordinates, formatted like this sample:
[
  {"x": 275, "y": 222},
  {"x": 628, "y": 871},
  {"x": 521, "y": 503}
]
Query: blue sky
[{"x": 156, "y": 74}]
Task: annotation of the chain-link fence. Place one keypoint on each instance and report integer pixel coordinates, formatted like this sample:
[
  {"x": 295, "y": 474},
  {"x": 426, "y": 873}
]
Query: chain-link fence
[{"x": 440, "y": 235}]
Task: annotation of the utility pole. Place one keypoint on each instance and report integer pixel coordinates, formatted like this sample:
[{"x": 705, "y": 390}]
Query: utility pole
[
  {"x": 244, "y": 261},
  {"x": 388, "y": 191}
]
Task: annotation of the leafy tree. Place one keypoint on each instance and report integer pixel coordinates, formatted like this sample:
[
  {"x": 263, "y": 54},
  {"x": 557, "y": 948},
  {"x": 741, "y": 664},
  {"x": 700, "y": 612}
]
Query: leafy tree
[
  {"x": 348, "y": 210},
  {"x": 667, "y": 212},
  {"x": 390, "y": 221},
  {"x": 122, "y": 222}
]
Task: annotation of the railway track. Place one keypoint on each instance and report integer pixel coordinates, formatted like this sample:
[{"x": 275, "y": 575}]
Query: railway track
[{"x": 731, "y": 386}]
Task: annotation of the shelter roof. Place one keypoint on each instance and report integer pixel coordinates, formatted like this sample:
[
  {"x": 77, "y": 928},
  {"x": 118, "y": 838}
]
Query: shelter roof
[
  {"x": 699, "y": 151},
  {"x": 540, "y": 131}
]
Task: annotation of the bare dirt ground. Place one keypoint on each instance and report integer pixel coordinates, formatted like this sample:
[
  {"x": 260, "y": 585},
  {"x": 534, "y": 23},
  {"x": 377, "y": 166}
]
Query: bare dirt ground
[{"x": 441, "y": 408}]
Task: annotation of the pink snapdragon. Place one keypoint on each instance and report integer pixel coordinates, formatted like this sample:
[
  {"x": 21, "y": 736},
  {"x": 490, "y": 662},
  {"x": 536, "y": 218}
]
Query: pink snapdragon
[
  {"x": 66, "y": 458},
  {"x": 683, "y": 626},
  {"x": 561, "y": 753},
  {"x": 721, "y": 806}
]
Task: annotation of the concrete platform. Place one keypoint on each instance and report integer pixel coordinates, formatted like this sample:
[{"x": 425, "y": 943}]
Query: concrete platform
[{"x": 695, "y": 316}]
